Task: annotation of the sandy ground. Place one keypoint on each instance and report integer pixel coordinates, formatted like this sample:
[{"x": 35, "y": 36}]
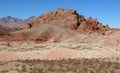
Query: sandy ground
[
  {"x": 91, "y": 46},
  {"x": 38, "y": 54},
  {"x": 60, "y": 53}
]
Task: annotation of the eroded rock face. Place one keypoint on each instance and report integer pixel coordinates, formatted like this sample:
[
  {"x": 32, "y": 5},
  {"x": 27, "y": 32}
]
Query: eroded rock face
[
  {"x": 69, "y": 19},
  {"x": 62, "y": 17},
  {"x": 57, "y": 25},
  {"x": 92, "y": 25}
]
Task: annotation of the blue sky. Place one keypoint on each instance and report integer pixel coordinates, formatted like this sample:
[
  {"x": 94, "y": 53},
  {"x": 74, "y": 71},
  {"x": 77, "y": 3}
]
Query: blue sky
[{"x": 106, "y": 11}]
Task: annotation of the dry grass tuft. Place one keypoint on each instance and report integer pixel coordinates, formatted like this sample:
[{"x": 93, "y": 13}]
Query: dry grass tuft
[{"x": 60, "y": 66}]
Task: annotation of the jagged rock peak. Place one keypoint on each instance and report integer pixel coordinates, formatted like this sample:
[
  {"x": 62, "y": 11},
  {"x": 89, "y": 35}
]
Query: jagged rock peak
[{"x": 67, "y": 18}]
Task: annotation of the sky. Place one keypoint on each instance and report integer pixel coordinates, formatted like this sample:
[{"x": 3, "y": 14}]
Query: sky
[{"x": 106, "y": 11}]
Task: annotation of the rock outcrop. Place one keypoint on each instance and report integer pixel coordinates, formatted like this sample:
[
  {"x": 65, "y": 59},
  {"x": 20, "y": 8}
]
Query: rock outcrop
[
  {"x": 69, "y": 19},
  {"x": 62, "y": 17},
  {"x": 57, "y": 26},
  {"x": 92, "y": 25}
]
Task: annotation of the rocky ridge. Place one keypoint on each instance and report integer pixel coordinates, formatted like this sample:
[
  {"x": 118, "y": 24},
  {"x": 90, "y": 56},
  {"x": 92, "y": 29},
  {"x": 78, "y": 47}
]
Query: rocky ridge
[
  {"x": 61, "y": 25},
  {"x": 70, "y": 19}
]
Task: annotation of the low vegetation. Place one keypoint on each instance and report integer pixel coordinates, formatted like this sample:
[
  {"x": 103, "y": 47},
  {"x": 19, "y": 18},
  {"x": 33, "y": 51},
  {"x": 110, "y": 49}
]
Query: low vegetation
[{"x": 60, "y": 66}]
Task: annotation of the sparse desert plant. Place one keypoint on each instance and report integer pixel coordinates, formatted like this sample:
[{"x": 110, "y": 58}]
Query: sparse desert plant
[{"x": 63, "y": 66}]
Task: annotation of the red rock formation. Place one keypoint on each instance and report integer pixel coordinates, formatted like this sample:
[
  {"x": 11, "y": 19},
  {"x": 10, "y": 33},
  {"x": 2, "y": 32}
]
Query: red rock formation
[
  {"x": 58, "y": 24},
  {"x": 92, "y": 25},
  {"x": 62, "y": 17},
  {"x": 69, "y": 19}
]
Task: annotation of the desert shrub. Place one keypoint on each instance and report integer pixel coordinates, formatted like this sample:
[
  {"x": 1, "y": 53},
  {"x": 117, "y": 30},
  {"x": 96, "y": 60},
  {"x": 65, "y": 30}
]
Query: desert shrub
[{"x": 66, "y": 66}]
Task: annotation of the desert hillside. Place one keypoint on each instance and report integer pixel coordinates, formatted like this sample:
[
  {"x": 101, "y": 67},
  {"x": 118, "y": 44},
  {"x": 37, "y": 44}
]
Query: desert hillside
[
  {"x": 62, "y": 25},
  {"x": 62, "y": 38}
]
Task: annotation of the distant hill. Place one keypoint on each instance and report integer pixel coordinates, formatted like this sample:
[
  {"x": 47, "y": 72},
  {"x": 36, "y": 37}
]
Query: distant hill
[
  {"x": 30, "y": 18},
  {"x": 10, "y": 21}
]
